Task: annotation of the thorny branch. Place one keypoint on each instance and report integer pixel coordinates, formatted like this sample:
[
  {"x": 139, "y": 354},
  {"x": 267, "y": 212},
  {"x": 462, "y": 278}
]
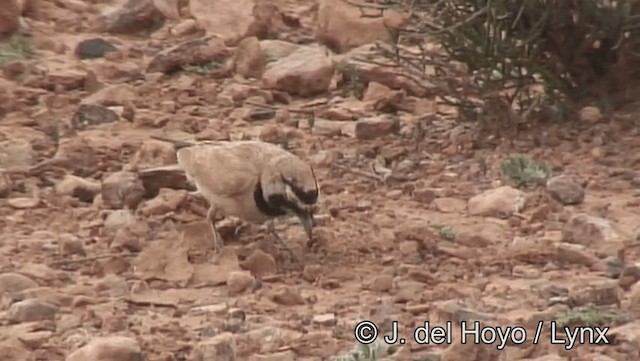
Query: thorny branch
[{"x": 534, "y": 54}]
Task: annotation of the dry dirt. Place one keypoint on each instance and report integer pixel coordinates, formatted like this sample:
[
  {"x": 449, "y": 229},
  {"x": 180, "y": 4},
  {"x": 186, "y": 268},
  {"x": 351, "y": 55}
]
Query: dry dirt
[{"x": 401, "y": 235}]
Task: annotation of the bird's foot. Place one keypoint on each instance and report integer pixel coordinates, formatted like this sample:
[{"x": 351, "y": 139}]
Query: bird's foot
[{"x": 217, "y": 239}]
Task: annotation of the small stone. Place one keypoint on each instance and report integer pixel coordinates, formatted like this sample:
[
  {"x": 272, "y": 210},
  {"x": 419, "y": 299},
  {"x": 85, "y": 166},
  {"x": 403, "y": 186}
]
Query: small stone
[
  {"x": 31, "y": 310},
  {"x": 238, "y": 282},
  {"x": 122, "y": 189},
  {"x": 249, "y": 59},
  {"x": 13, "y": 282},
  {"x": 287, "y": 296},
  {"x": 23, "y": 202},
  {"x": 326, "y": 319},
  {"x": 381, "y": 283},
  {"x": 590, "y": 115},
  {"x": 83, "y": 189},
  {"x": 565, "y": 190},
  {"x": 260, "y": 264},
  {"x": 221, "y": 347},
  {"x": 500, "y": 202},
  {"x": 311, "y": 273},
  {"x": 93, "y": 48},
  {"x": 89, "y": 115},
  {"x": 305, "y": 72},
  {"x": 195, "y": 52},
  {"x": 132, "y": 17},
  {"x": 371, "y": 128},
  {"x": 108, "y": 348}
]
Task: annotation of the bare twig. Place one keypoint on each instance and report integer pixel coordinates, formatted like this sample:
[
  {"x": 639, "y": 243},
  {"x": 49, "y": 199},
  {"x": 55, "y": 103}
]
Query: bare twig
[
  {"x": 359, "y": 172},
  {"x": 68, "y": 262}
]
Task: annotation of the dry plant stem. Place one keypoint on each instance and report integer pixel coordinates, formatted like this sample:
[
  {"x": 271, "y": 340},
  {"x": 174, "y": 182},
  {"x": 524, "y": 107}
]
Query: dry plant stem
[
  {"x": 359, "y": 172},
  {"x": 271, "y": 229},
  {"x": 89, "y": 259},
  {"x": 267, "y": 106}
]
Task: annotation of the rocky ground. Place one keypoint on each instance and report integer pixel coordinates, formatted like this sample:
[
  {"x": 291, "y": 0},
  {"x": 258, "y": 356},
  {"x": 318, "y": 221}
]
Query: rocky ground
[{"x": 105, "y": 256}]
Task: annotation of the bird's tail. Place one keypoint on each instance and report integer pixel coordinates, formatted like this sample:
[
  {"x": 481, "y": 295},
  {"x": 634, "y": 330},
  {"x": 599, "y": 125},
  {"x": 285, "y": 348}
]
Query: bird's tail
[{"x": 178, "y": 144}]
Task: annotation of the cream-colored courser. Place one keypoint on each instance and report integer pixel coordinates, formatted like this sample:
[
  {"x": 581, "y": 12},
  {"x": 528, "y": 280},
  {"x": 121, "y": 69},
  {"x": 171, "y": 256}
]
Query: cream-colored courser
[{"x": 251, "y": 180}]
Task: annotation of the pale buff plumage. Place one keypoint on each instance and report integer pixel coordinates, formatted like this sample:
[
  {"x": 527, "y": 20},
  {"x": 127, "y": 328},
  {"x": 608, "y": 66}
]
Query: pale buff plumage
[{"x": 228, "y": 175}]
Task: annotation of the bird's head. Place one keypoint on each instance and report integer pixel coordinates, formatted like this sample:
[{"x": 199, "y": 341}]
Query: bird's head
[{"x": 290, "y": 186}]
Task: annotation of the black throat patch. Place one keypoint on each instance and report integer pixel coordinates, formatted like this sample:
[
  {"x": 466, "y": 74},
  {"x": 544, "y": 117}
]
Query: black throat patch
[{"x": 277, "y": 205}]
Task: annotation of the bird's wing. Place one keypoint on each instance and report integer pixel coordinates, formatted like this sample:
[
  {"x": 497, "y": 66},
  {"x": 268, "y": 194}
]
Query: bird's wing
[{"x": 224, "y": 170}]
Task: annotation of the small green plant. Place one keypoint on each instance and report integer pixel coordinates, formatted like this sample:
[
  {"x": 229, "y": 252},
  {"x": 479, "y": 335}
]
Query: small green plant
[
  {"x": 589, "y": 315},
  {"x": 202, "y": 69},
  {"x": 362, "y": 352},
  {"x": 523, "y": 171},
  {"x": 355, "y": 85},
  {"x": 17, "y": 48},
  {"x": 448, "y": 233}
]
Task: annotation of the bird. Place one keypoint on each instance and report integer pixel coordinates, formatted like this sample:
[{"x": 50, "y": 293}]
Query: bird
[{"x": 252, "y": 180}]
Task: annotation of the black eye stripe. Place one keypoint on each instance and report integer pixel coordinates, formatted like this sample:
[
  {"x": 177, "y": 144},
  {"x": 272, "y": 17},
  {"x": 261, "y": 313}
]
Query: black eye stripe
[{"x": 306, "y": 197}]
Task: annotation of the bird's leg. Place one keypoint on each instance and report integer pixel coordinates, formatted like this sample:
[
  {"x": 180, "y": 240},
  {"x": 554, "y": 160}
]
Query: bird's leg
[
  {"x": 217, "y": 239},
  {"x": 271, "y": 229}
]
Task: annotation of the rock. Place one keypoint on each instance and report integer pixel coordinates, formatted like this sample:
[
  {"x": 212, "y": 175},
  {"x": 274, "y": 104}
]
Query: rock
[
  {"x": 590, "y": 231},
  {"x": 122, "y": 189},
  {"x": 153, "y": 153},
  {"x": 326, "y": 319},
  {"x": 371, "y": 128},
  {"x": 235, "y": 20},
  {"x": 168, "y": 9},
  {"x": 6, "y": 185},
  {"x": 599, "y": 294},
  {"x": 449, "y": 205},
  {"x": 277, "y": 49},
  {"x": 275, "y": 133},
  {"x": 92, "y": 114},
  {"x": 312, "y": 273},
  {"x": 80, "y": 188},
  {"x": 108, "y": 348},
  {"x": 590, "y": 115},
  {"x": 23, "y": 202},
  {"x": 132, "y": 17},
  {"x": 114, "y": 95},
  {"x": 16, "y": 153},
  {"x": 381, "y": 283},
  {"x": 239, "y": 282},
  {"x": 305, "y": 72},
  {"x": 69, "y": 245},
  {"x": 286, "y": 296},
  {"x": 277, "y": 356},
  {"x": 195, "y": 52},
  {"x": 94, "y": 48},
  {"x": 565, "y": 190},
  {"x": 31, "y": 310},
  {"x": 249, "y": 60},
  {"x": 629, "y": 276},
  {"x": 383, "y": 98},
  {"x": 10, "y": 14},
  {"x": 13, "y": 282},
  {"x": 221, "y": 347},
  {"x": 167, "y": 200},
  {"x": 500, "y": 202},
  {"x": 341, "y": 26},
  {"x": 183, "y": 28},
  {"x": 260, "y": 264}
]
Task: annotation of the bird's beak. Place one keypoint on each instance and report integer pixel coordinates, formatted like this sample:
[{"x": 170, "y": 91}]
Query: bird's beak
[{"x": 307, "y": 222}]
